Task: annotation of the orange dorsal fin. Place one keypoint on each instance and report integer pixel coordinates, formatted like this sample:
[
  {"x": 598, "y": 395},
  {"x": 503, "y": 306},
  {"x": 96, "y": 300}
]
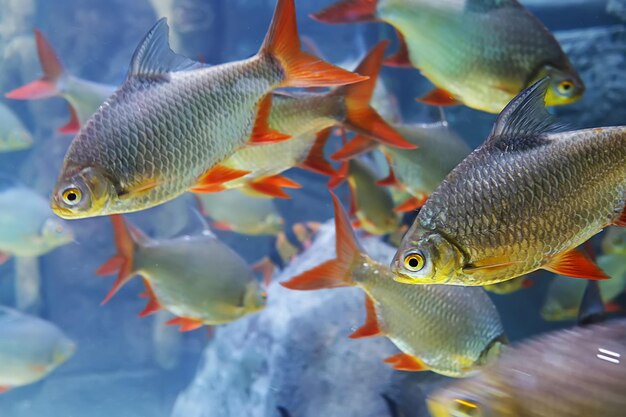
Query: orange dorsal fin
[
  {"x": 371, "y": 328},
  {"x": 47, "y": 86},
  {"x": 621, "y": 220},
  {"x": 73, "y": 125},
  {"x": 262, "y": 132},
  {"x": 413, "y": 203},
  {"x": 358, "y": 145},
  {"x": 406, "y": 362},
  {"x": 336, "y": 272},
  {"x": 348, "y": 11},
  {"x": 123, "y": 260},
  {"x": 401, "y": 58},
  {"x": 439, "y": 97},
  {"x": 300, "y": 68},
  {"x": 185, "y": 324},
  {"x": 213, "y": 179},
  {"x": 575, "y": 264},
  {"x": 360, "y": 116},
  {"x": 273, "y": 186},
  {"x": 153, "y": 303},
  {"x": 315, "y": 161}
]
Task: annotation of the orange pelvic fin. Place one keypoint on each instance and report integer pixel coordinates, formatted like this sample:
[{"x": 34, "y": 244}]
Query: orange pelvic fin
[
  {"x": 300, "y": 68},
  {"x": 576, "y": 264},
  {"x": 371, "y": 328},
  {"x": 337, "y": 272},
  {"x": 73, "y": 125},
  {"x": 400, "y": 58},
  {"x": 262, "y": 132},
  {"x": 406, "y": 362},
  {"x": 153, "y": 303},
  {"x": 360, "y": 116},
  {"x": 122, "y": 261},
  {"x": 411, "y": 204},
  {"x": 315, "y": 161},
  {"x": 47, "y": 86},
  {"x": 439, "y": 97},
  {"x": 358, "y": 145},
  {"x": 348, "y": 11},
  {"x": 212, "y": 180},
  {"x": 185, "y": 324},
  {"x": 273, "y": 186}
]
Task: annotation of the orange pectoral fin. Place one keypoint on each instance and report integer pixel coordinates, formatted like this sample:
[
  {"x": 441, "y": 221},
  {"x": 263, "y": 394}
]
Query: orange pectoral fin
[
  {"x": 406, "y": 362},
  {"x": 371, "y": 328},
  {"x": 273, "y": 186},
  {"x": 576, "y": 264},
  {"x": 262, "y": 133},
  {"x": 439, "y": 97},
  {"x": 140, "y": 188},
  {"x": 489, "y": 264},
  {"x": 185, "y": 324}
]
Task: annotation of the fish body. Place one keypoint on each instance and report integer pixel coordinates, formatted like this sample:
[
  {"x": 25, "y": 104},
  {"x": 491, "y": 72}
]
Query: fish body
[
  {"x": 30, "y": 348},
  {"x": 449, "y": 330},
  {"x": 197, "y": 278},
  {"x": 174, "y": 119},
  {"x": 522, "y": 201},
  {"x": 569, "y": 373},
  {"x": 13, "y": 134},
  {"x": 481, "y": 53}
]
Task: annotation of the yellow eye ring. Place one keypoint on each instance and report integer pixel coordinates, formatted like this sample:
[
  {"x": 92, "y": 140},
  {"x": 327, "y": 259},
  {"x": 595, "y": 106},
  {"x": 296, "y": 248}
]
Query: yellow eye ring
[
  {"x": 565, "y": 87},
  {"x": 72, "y": 196},
  {"x": 414, "y": 262}
]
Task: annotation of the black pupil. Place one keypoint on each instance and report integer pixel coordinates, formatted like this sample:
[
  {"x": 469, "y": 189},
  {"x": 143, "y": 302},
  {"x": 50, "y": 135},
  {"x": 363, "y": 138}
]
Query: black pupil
[
  {"x": 413, "y": 262},
  {"x": 567, "y": 86},
  {"x": 71, "y": 196}
]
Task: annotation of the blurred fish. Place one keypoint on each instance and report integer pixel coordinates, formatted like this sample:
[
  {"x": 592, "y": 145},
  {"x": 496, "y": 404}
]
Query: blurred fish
[
  {"x": 416, "y": 171},
  {"x": 510, "y": 286},
  {"x": 232, "y": 210},
  {"x": 576, "y": 372},
  {"x": 307, "y": 117},
  {"x": 445, "y": 329},
  {"x": 370, "y": 204},
  {"x": 522, "y": 201},
  {"x": 30, "y": 349},
  {"x": 173, "y": 120},
  {"x": 197, "y": 278},
  {"x": 166, "y": 341},
  {"x": 84, "y": 97},
  {"x": 481, "y": 53},
  {"x": 614, "y": 241},
  {"x": 13, "y": 134}
]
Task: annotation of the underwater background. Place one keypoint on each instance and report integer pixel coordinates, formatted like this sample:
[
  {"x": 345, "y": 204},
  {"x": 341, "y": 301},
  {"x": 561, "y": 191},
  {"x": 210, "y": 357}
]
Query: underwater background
[{"x": 294, "y": 354}]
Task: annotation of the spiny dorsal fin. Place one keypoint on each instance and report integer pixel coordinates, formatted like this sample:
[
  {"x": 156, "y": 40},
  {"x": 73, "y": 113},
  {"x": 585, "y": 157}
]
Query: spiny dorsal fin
[
  {"x": 153, "y": 58},
  {"x": 526, "y": 114}
]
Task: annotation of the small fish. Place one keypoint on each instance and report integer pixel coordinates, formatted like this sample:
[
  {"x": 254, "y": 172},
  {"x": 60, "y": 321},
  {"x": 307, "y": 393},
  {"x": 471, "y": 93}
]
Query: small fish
[
  {"x": 30, "y": 349},
  {"x": 524, "y": 200},
  {"x": 84, "y": 97},
  {"x": 235, "y": 211},
  {"x": 308, "y": 117},
  {"x": 576, "y": 372},
  {"x": 445, "y": 329},
  {"x": 371, "y": 204},
  {"x": 480, "y": 53},
  {"x": 198, "y": 278},
  {"x": 614, "y": 241},
  {"x": 13, "y": 134},
  {"x": 173, "y": 120},
  {"x": 510, "y": 286}
]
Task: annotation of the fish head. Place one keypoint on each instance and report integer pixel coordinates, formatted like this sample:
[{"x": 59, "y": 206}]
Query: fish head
[
  {"x": 426, "y": 257},
  {"x": 86, "y": 193},
  {"x": 16, "y": 140},
  {"x": 565, "y": 86},
  {"x": 55, "y": 232},
  {"x": 471, "y": 399}
]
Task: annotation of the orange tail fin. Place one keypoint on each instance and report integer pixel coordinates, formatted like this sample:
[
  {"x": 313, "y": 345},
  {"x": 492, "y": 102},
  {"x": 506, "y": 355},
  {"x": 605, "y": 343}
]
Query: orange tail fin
[
  {"x": 360, "y": 116},
  {"x": 337, "y": 272},
  {"x": 300, "y": 68},
  {"x": 47, "y": 86},
  {"x": 122, "y": 261},
  {"x": 348, "y": 11}
]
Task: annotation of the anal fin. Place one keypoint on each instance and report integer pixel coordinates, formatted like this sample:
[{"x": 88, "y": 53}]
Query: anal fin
[
  {"x": 371, "y": 328},
  {"x": 212, "y": 180},
  {"x": 406, "y": 362},
  {"x": 273, "y": 186},
  {"x": 185, "y": 324}
]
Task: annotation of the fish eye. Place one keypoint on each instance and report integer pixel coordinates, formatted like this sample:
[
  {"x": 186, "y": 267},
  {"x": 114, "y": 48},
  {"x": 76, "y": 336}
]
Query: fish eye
[
  {"x": 414, "y": 261},
  {"x": 466, "y": 408},
  {"x": 72, "y": 196},
  {"x": 565, "y": 87}
]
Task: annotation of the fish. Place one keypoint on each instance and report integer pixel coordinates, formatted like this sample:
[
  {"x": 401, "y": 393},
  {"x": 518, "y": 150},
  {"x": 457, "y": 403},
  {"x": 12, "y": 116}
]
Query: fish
[
  {"x": 30, "y": 349},
  {"x": 575, "y": 372},
  {"x": 370, "y": 204},
  {"x": 13, "y": 134},
  {"x": 84, "y": 97},
  {"x": 614, "y": 241},
  {"x": 167, "y": 127},
  {"x": 480, "y": 53},
  {"x": 449, "y": 330},
  {"x": 308, "y": 119},
  {"x": 166, "y": 341},
  {"x": 238, "y": 212},
  {"x": 523, "y": 201},
  {"x": 419, "y": 171},
  {"x": 198, "y": 278}
]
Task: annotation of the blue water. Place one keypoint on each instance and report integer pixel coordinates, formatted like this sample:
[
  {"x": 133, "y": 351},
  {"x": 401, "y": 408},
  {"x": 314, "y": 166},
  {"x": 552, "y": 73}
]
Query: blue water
[{"x": 115, "y": 371}]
